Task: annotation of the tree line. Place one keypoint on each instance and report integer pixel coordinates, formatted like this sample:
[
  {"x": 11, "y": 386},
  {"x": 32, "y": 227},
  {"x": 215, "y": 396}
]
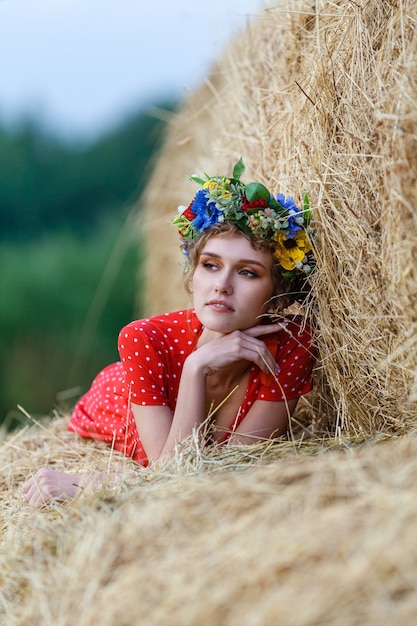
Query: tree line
[
  {"x": 69, "y": 265},
  {"x": 48, "y": 184}
]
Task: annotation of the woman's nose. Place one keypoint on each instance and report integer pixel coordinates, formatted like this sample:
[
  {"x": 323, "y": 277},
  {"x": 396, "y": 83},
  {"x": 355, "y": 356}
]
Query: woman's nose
[{"x": 223, "y": 286}]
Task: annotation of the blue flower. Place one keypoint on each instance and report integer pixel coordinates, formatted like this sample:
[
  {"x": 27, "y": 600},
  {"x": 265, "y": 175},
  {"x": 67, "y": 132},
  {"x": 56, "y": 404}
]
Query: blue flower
[
  {"x": 293, "y": 227},
  {"x": 287, "y": 203},
  {"x": 207, "y": 214},
  {"x": 295, "y": 217}
]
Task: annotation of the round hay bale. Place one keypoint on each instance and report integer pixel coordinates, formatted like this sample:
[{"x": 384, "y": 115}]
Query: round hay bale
[
  {"x": 265, "y": 534},
  {"x": 321, "y": 100}
]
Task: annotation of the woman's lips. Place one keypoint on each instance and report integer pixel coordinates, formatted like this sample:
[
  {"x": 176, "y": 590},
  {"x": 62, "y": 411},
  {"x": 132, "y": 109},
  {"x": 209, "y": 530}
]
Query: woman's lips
[{"x": 220, "y": 306}]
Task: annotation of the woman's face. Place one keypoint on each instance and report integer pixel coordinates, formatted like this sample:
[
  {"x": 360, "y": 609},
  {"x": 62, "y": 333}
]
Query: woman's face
[{"x": 232, "y": 283}]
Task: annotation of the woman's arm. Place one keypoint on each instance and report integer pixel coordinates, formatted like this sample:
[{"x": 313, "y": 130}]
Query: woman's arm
[
  {"x": 159, "y": 430},
  {"x": 263, "y": 421}
]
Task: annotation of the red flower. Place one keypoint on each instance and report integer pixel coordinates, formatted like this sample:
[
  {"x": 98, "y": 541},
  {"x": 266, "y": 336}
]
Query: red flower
[
  {"x": 253, "y": 205},
  {"x": 188, "y": 213}
]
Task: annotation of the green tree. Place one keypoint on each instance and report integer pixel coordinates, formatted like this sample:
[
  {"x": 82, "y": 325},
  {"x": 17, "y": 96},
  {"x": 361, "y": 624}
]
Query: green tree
[
  {"x": 47, "y": 184},
  {"x": 69, "y": 257}
]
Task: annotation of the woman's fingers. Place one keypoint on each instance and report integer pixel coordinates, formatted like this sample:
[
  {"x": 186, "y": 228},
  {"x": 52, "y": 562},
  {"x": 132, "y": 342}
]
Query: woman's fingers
[
  {"x": 238, "y": 346},
  {"x": 261, "y": 355},
  {"x": 33, "y": 494},
  {"x": 265, "y": 329},
  {"x": 217, "y": 350},
  {"x": 48, "y": 484},
  {"x": 268, "y": 361}
]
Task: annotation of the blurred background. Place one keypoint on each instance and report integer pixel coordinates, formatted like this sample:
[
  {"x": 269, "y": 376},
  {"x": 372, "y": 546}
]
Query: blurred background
[{"x": 86, "y": 89}]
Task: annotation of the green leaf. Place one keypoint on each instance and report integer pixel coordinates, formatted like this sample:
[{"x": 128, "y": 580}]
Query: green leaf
[
  {"x": 257, "y": 191},
  {"x": 242, "y": 223},
  {"x": 278, "y": 208},
  {"x": 289, "y": 275},
  {"x": 238, "y": 169},
  {"x": 199, "y": 181},
  {"x": 306, "y": 209}
]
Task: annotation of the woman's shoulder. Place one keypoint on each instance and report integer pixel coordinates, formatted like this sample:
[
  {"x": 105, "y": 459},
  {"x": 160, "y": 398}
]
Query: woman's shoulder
[
  {"x": 297, "y": 340},
  {"x": 183, "y": 322}
]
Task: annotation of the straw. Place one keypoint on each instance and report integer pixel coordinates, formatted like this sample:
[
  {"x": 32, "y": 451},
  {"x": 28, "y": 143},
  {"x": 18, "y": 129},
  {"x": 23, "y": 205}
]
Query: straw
[
  {"x": 322, "y": 101},
  {"x": 317, "y": 532},
  {"x": 318, "y": 529}
]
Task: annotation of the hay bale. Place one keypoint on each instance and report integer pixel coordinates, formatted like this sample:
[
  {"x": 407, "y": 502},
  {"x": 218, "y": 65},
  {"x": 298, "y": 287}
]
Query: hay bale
[
  {"x": 320, "y": 100},
  {"x": 313, "y": 534},
  {"x": 298, "y": 533}
]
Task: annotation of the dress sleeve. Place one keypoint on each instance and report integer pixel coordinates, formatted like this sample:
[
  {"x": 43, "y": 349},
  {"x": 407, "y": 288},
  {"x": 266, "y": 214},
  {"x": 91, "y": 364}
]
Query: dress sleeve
[
  {"x": 295, "y": 356},
  {"x": 143, "y": 355}
]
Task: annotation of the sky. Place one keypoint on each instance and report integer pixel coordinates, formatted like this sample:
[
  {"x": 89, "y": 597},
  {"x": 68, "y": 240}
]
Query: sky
[{"x": 80, "y": 66}]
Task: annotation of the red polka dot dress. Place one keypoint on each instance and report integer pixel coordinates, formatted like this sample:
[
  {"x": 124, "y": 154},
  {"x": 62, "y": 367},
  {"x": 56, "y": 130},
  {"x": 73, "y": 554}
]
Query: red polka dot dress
[{"x": 152, "y": 354}]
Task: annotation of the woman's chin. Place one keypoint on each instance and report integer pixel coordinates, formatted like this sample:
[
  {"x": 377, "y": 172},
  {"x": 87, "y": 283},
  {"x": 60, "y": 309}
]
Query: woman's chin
[{"x": 224, "y": 323}]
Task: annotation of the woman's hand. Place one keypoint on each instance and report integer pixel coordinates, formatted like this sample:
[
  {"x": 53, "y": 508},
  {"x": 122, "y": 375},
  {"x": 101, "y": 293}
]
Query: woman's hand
[
  {"x": 160, "y": 430},
  {"x": 216, "y": 350},
  {"x": 48, "y": 484}
]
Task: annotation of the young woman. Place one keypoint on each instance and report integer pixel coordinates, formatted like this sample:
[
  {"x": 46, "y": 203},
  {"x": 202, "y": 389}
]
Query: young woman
[{"x": 227, "y": 362}]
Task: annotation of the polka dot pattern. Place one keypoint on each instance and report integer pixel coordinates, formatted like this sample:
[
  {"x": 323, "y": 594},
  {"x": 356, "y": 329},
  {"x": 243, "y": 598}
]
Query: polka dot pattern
[
  {"x": 103, "y": 413},
  {"x": 152, "y": 354}
]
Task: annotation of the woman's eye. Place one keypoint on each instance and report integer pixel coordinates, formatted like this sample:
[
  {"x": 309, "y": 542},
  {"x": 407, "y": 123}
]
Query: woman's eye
[
  {"x": 248, "y": 273},
  {"x": 209, "y": 266}
]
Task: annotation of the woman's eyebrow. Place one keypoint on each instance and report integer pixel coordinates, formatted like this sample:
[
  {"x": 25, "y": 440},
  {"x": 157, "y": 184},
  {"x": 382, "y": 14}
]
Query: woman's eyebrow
[{"x": 240, "y": 261}]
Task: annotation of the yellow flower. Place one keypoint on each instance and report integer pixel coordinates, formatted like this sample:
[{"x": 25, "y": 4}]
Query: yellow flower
[
  {"x": 218, "y": 188},
  {"x": 292, "y": 251}
]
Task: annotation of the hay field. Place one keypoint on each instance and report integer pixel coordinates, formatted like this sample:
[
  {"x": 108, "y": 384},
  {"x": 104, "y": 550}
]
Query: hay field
[
  {"x": 311, "y": 534},
  {"x": 319, "y": 529}
]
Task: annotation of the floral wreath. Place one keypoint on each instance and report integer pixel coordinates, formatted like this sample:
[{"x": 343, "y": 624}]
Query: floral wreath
[{"x": 256, "y": 212}]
